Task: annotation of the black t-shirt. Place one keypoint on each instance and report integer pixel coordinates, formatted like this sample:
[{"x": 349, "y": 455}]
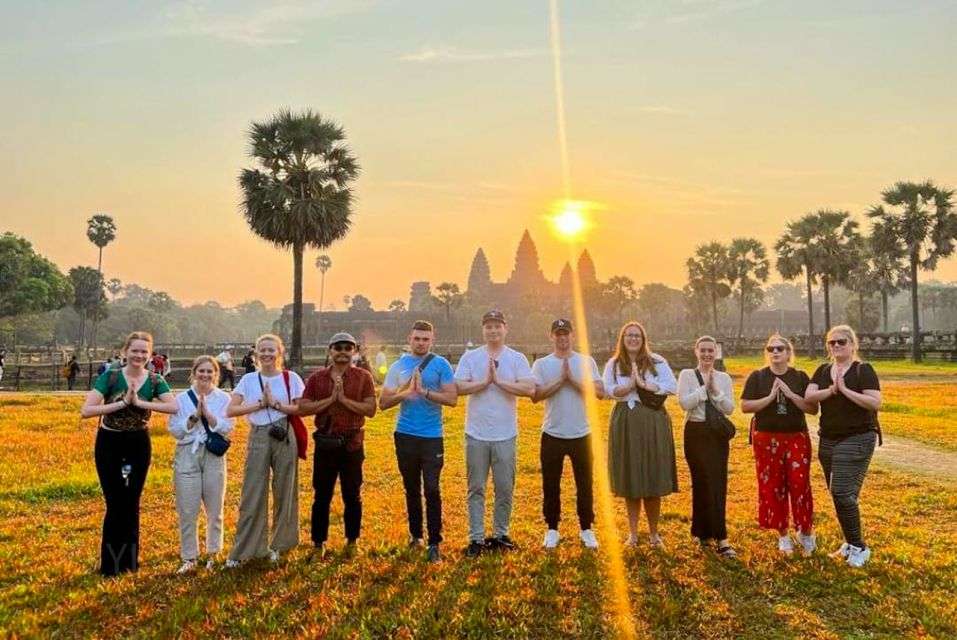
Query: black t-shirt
[
  {"x": 759, "y": 385},
  {"x": 840, "y": 417}
]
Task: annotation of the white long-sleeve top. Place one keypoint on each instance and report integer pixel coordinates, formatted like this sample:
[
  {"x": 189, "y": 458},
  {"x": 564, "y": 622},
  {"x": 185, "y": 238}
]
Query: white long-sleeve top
[
  {"x": 662, "y": 376},
  {"x": 216, "y": 402},
  {"x": 692, "y": 396}
]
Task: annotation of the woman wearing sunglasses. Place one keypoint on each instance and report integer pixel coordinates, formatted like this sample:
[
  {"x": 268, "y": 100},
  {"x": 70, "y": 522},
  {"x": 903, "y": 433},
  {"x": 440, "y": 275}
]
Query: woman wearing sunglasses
[
  {"x": 849, "y": 394},
  {"x": 782, "y": 446},
  {"x": 266, "y": 397},
  {"x": 706, "y": 450}
]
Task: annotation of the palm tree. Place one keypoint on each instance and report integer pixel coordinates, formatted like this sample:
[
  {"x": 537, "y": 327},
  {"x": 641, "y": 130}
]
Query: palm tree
[
  {"x": 709, "y": 274},
  {"x": 834, "y": 236},
  {"x": 620, "y": 290},
  {"x": 889, "y": 269},
  {"x": 300, "y": 196},
  {"x": 448, "y": 297},
  {"x": 859, "y": 277},
  {"x": 749, "y": 269},
  {"x": 101, "y": 231},
  {"x": 925, "y": 227},
  {"x": 796, "y": 253},
  {"x": 323, "y": 263}
]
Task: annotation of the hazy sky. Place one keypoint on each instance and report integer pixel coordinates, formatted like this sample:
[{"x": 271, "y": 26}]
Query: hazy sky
[{"x": 690, "y": 120}]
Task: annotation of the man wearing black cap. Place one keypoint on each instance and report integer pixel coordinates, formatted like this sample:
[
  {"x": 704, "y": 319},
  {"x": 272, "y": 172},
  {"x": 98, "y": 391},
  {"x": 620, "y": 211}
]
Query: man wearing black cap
[
  {"x": 565, "y": 430},
  {"x": 342, "y": 396},
  {"x": 494, "y": 375}
]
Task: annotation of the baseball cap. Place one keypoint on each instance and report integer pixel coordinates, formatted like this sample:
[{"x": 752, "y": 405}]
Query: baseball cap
[
  {"x": 561, "y": 325},
  {"x": 342, "y": 336},
  {"x": 493, "y": 316}
]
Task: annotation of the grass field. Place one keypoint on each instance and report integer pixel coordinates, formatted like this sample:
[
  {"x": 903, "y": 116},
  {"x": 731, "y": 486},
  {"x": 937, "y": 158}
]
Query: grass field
[{"x": 51, "y": 511}]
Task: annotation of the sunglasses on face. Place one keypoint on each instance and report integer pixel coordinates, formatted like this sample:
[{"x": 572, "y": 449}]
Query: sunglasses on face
[
  {"x": 837, "y": 342},
  {"x": 775, "y": 348},
  {"x": 342, "y": 346}
]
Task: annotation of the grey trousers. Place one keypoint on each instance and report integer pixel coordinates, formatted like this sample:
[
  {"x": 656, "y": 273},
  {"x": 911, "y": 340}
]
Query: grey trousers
[
  {"x": 199, "y": 478},
  {"x": 480, "y": 456},
  {"x": 264, "y": 455}
]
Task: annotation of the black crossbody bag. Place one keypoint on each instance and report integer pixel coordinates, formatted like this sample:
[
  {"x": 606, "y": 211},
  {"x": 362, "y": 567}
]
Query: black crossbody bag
[{"x": 713, "y": 418}]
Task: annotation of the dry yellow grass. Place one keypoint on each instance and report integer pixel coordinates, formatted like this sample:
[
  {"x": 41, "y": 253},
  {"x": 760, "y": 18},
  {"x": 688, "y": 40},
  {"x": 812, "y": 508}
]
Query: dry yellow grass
[{"x": 51, "y": 510}]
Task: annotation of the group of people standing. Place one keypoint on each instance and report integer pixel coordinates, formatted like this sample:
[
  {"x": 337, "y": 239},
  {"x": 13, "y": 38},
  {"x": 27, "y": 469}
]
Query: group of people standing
[{"x": 642, "y": 466}]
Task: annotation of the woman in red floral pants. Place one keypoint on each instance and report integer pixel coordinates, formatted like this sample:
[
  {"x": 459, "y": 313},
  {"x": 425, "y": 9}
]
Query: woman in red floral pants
[{"x": 782, "y": 446}]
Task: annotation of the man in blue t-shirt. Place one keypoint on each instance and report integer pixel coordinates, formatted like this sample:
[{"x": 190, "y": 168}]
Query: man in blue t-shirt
[{"x": 421, "y": 382}]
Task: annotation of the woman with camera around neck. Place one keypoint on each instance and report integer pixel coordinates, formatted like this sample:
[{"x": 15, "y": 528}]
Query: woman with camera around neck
[
  {"x": 199, "y": 469},
  {"x": 267, "y": 397}
]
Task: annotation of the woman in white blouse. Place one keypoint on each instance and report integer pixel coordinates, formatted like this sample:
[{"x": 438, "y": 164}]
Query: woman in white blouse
[
  {"x": 641, "y": 447},
  {"x": 706, "y": 450},
  {"x": 199, "y": 476}
]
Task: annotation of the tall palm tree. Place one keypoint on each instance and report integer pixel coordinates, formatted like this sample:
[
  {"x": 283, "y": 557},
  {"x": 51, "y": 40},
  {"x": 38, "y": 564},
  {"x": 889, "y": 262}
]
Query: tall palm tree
[
  {"x": 101, "y": 231},
  {"x": 300, "y": 195},
  {"x": 921, "y": 218},
  {"x": 859, "y": 276},
  {"x": 889, "y": 268},
  {"x": 708, "y": 275},
  {"x": 797, "y": 254},
  {"x": 834, "y": 236},
  {"x": 323, "y": 263},
  {"x": 749, "y": 267}
]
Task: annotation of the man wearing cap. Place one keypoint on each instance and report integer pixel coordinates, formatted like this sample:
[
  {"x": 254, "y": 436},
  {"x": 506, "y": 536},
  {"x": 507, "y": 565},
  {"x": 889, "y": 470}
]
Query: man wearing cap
[
  {"x": 565, "y": 431},
  {"x": 342, "y": 396},
  {"x": 494, "y": 375},
  {"x": 421, "y": 382}
]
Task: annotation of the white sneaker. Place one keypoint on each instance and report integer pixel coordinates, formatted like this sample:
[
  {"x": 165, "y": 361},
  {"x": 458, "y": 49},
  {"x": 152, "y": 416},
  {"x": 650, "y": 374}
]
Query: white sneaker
[
  {"x": 187, "y": 567},
  {"x": 273, "y": 556},
  {"x": 785, "y": 545},
  {"x": 808, "y": 543},
  {"x": 551, "y": 539},
  {"x": 231, "y": 564},
  {"x": 632, "y": 540},
  {"x": 655, "y": 541},
  {"x": 842, "y": 551},
  {"x": 857, "y": 557},
  {"x": 588, "y": 538}
]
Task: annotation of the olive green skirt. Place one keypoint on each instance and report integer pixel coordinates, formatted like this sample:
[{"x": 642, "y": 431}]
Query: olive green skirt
[{"x": 641, "y": 452}]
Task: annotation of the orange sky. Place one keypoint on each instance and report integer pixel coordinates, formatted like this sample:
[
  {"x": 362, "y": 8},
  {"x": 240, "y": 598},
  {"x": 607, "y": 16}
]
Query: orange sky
[{"x": 689, "y": 121}]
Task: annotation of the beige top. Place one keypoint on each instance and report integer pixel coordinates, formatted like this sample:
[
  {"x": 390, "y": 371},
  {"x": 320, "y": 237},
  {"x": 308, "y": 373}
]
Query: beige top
[{"x": 692, "y": 396}]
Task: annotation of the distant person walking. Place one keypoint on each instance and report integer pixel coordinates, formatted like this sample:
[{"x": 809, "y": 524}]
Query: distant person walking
[
  {"x": 849, "y": 394},
  {"x": 199, "y": 473},
  {"x": 249, "y": 362},
  {"x": 560, "y": 384},
  {"x": 421, "y": 383},
  {"x": 341, "y": 397},
  {"x": 3, "y": 362},
  {"x": 72, "y": 371},
  {"x": 226, "y": 369},
  {"x": 267, "y": 397},
  {"x": 494, "y": 375},
  {"x": 782, "y": 446},
  {"x": 641, "y": 447},
  {"x": 706, "y": 449},
  {"x": 125, "y": 399}
]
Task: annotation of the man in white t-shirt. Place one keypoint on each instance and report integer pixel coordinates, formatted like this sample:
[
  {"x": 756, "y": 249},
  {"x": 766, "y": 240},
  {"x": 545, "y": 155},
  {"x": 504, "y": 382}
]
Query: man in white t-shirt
[
  {"x": 494, "y": 376},
  {"x": 565, "y": 430}
]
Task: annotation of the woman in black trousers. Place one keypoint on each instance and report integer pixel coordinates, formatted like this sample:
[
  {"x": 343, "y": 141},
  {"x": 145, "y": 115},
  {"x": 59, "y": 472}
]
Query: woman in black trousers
[{"x": 125, "y": 398}]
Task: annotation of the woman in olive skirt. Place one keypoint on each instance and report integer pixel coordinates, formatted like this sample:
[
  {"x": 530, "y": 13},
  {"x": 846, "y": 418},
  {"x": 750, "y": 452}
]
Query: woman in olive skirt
[{"x": 641, "y": 446}]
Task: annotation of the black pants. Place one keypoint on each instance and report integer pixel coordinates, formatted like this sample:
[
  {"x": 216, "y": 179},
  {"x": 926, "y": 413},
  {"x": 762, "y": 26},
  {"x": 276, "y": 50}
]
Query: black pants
[
  {"x": 845, "y": 464},
  {"x": 120, "y": 547},
  {"x": 420, "y": 463},
  {"x": 327, "y": 466},
  {"x": 552, "y": 456},
  {"x": 707, "y": 454},
  {"x": 70, "y": 381}
]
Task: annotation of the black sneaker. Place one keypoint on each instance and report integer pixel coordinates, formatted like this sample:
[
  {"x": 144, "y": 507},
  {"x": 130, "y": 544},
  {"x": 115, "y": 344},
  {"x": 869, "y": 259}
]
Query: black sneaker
[
  {"x": 434, "y": 555},
  {"x": 474, "y": 549},
  {"x": 502, "y": 543}
]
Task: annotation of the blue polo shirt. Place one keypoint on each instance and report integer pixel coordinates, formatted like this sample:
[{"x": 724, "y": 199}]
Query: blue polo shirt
[{"x": 418, "y": 416}]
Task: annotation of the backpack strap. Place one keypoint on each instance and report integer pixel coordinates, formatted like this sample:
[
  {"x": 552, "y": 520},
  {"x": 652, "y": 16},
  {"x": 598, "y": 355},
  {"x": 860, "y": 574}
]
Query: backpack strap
[
  {"x": 111, "y": 381},
  {"x": 877, "y": 422},
  {"x": 285, "y": 379}
]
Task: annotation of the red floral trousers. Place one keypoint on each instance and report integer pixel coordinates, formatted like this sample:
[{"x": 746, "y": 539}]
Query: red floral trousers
[{"x": 783, "y": 462}]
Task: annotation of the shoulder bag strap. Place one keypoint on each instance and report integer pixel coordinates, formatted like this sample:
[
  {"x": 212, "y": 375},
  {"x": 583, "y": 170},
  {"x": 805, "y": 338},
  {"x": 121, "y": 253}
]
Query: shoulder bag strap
[
  {"x": 285, "y": 379},
  {"x": 192, "y": 396},
  {"x": 425, "y": 362}
]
